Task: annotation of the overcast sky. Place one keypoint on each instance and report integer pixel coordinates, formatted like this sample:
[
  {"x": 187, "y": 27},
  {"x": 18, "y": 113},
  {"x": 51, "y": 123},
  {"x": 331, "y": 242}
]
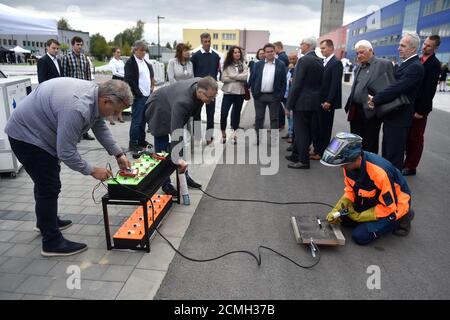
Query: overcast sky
[{"x": 287, "y": 20}]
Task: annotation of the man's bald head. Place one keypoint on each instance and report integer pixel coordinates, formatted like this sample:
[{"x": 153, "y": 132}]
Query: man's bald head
[{"x": 293, "y": 58}]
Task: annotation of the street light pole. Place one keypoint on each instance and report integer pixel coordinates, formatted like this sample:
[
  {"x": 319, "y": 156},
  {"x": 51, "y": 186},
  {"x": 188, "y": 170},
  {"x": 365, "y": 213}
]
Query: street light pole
[{"x": 159, "y": 46}]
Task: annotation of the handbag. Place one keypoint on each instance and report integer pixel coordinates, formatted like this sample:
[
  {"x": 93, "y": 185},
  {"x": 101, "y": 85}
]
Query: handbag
[{"x": 378, "y": 85}]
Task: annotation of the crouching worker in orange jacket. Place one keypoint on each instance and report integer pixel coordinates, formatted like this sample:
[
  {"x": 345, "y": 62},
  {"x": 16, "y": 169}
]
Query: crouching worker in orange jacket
[{"x": 376, "y": 195}]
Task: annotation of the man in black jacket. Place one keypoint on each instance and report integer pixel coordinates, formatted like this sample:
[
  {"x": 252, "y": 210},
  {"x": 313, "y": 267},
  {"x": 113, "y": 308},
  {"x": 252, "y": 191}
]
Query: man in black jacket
[
  {"x": 423, "y": 105},
  {"x": 206, "y": 62},
  {"x": 48, "y": 67},
  {"x": 304, "y": 100},
  {"x": 330, "y": 97},
  {"x": 139, "y": 75},
  {"x": 396, "y": 124},
  {"x": 268, "y": 84}
]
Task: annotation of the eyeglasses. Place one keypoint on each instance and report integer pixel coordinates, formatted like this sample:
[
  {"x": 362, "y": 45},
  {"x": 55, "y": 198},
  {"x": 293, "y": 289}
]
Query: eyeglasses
[{"x": 209, "y": 97}]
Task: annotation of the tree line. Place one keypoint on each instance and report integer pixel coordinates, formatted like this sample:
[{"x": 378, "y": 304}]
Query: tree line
[{"x": 100, "y": 48}]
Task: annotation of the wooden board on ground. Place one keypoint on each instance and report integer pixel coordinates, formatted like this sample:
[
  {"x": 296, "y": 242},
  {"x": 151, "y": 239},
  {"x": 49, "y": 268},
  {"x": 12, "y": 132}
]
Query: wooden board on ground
[{"x": 307, "y": 228}]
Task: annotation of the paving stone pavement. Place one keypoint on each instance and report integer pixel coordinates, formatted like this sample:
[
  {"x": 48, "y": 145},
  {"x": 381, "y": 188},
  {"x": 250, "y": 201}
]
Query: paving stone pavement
[{"x": 118, "y": 274}]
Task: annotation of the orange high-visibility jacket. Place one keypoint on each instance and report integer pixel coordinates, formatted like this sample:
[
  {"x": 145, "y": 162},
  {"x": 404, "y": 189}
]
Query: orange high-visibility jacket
[{"x": 377, "y": 184}]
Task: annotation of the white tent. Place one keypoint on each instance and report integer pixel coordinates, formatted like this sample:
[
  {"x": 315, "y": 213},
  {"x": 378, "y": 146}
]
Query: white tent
[
  {"x": 19, "y": 49},
  {"x": 12, "y": 21}
]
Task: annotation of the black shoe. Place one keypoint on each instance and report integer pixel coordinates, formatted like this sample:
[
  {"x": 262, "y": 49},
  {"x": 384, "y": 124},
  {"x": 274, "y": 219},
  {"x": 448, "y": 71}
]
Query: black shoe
[
  {"x": 408, "y": 172},
  {"x": 87, "y": 136},
  {"x": 290, "y": 148},
  {"x": 62, "y": 225},
  {"x": 65, "y": 248},
  {"x": 404, "y": 224},
  {"x": 145, "y": 144},
  {"x": 285, "y": 136},
  {"x": 135, "y": 148},
  {"x": 170, "y": 190},
  {"x": 291, "y": 158},
  {"x": 192, "y": 184},
  {"x": 298, "y": 165}
]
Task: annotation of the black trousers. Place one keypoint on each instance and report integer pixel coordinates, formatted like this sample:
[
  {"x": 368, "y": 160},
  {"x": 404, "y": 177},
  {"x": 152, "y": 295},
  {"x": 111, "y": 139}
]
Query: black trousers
[
  {"x": 210, "y": 111},
  {"x": 322, "y": 128},
  {"x": 302, "y": 126},
  {"x": 368, "y": 129},
  {"x": 394, "y": 144},
  {"x": 44, "y": 170},
  {"x": 266, "y": 99}
]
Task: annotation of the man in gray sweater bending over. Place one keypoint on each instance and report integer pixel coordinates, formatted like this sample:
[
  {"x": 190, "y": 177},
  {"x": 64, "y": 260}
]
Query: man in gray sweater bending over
[{"x": 44, "y": 130}]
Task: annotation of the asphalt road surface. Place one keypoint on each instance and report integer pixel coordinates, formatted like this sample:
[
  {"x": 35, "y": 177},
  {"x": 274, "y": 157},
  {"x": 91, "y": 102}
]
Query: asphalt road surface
[{"x": 412, "y": 267}]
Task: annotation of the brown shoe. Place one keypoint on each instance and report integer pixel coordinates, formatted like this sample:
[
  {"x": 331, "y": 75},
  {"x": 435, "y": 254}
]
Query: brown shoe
[{"x": 315, "y": 157}]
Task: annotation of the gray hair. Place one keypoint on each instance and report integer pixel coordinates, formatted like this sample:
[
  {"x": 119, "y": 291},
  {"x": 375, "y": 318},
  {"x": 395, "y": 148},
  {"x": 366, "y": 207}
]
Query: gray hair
[
  {"x": 207, "y": 82},
  {"x": 414, "y": 40},
  {"x": 311, "y": 41},
  {"x": 139, "y": 44},
  {"x": 363, "y": 43},
  {"x": 119, "y": 91}
]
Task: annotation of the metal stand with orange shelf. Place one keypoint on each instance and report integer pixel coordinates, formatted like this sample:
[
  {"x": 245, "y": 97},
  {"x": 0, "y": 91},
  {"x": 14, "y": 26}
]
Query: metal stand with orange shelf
[{"x": 140, "y": 190}]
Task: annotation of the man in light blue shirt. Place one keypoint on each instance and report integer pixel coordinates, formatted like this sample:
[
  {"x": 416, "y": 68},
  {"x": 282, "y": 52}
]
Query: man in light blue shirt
[{"x": 44, "y": 130}]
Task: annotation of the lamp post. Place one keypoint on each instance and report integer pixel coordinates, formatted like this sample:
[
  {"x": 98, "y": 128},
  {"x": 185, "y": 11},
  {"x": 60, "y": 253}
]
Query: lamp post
[{"x": 159, "y": 46}]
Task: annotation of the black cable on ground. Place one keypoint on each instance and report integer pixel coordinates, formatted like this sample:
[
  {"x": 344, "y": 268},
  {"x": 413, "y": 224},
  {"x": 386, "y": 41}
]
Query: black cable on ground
[
  {"x": 257, "y": 258},
  {"x": 266, "y": 201}
]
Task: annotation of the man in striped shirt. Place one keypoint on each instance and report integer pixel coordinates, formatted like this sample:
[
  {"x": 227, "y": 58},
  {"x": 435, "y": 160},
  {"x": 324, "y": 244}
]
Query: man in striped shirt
[{"x": 76, "y": 65}]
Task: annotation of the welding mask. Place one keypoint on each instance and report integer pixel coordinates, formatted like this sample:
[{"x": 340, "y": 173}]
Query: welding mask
[{"x": 344, "y": 148}]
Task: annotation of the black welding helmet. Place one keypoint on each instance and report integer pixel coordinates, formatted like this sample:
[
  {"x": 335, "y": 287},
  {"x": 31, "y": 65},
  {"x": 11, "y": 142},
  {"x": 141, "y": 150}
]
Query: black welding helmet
[{"x": 344, "y": 148}]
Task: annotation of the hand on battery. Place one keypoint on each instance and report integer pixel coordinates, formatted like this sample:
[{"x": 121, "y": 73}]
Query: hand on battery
[
  {"x": 182, "y": 166},
  {"x": 123, "y": 162},
  {"x": 101, "y": 173}
]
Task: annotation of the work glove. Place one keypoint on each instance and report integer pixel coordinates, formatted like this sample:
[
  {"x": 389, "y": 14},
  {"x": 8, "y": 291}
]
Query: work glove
[
  {"x": 343, "y": 202},
  {"x": 365, "y": 216}
]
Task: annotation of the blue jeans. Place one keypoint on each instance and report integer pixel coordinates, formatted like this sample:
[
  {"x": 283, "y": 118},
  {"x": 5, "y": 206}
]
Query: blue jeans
[
  {"x": 44, "y": 170},
  {"x": 290, "y": 119},
  {"x": 367, "y": 232},
  {"x": 137, "y": 127},
  {"x": 231, "y": 99},
  {"x": 162, "y": 145}
]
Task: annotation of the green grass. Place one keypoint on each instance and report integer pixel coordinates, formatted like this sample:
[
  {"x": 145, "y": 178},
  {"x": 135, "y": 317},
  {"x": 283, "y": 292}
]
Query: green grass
[{"x": 99, "y": 63}]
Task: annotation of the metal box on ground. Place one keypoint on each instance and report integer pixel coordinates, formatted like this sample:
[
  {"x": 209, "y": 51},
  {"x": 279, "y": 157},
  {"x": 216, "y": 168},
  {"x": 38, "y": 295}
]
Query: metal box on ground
[
  {"x": 12, "y": 91},
  {"x": 307, "y": 229}
]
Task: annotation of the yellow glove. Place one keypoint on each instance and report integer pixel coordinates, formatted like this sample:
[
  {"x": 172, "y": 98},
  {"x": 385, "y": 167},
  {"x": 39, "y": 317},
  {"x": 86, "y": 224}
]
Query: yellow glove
[
  {"x": 365, "y": 216},
  {"x": 331, "y": 219},
  {"x": 347, "y": 203}
]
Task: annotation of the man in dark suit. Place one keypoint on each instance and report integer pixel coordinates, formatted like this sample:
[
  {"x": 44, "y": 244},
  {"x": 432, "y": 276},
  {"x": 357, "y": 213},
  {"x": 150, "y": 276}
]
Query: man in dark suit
[
  {"x": 268, "y": 84},
  {"x": 396, "y": 124},
  {"x": 304, "y": 101},
  {"x": 169, "y": 109},
  {"x": 48, "y": 67},
  {"x": 423, "y": 105},
  {"x": 363, "y": 122},
  {"x": 206, "y": 62},
  {"x": 330, "y": 95},
  {"x": 139, "y": 75}
]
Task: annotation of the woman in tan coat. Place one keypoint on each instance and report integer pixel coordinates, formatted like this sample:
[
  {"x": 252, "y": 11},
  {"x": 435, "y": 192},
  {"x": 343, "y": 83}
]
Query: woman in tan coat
[{"x": 234, "y": 77}]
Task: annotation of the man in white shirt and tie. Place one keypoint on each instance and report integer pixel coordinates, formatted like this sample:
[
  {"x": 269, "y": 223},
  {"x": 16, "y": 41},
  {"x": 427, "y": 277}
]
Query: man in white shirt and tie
[{"x": 48, "y": 67}]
